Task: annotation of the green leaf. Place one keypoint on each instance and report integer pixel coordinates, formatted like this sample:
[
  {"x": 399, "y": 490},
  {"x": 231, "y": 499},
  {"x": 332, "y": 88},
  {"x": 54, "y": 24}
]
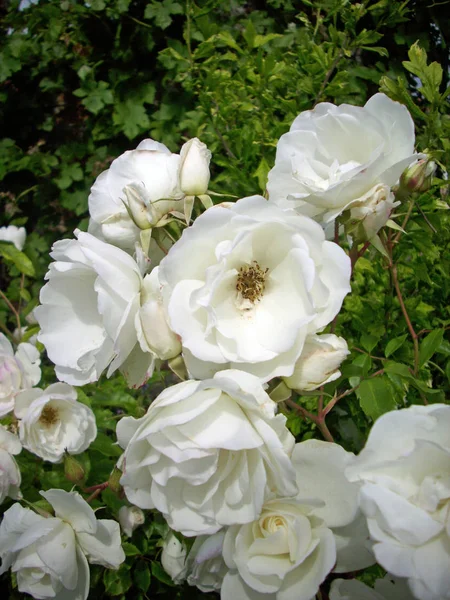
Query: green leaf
[
  {"x": 131, "y": 549},
  {"x": 262, "y": 173},
  {"x": 430, "y": 345},
  {"x": 159, "y": 574},
  {"x": 105, "y": 445},
  {"x": 142, "y": 576},
  {"x": 394, "y": 344},
  {"x": 20, "y": 260},
  {"x": 368, "y": 342},
  {"x": 117, "y": 582},
  {"x": 376, "y": 396}
]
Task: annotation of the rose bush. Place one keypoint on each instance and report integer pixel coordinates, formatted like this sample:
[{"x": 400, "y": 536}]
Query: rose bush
[
  {"x": 10, "y": 477},
  {"x": 334, "y": 155},
  {"x": 50, "y": 554},
  {"x": 246, "y": 285},
  {"x": 18, "y": 371},
  {"x": 52, "y": 422},
  {"x": 207, "y": 453},
  {"x": 405, "y": 473},
  {"x": 94, "y": 297}
]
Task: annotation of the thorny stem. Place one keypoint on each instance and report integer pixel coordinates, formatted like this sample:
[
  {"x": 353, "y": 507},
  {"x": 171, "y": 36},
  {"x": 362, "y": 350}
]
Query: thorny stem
[
  {"x": 405, "y": 221},
  {"x": 13, "y": 310}
]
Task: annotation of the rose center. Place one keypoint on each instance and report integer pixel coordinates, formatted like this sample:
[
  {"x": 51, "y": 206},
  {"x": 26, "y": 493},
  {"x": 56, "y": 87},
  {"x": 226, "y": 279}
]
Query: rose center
[
  {"x": 49, "y": 416},
  {"x": 251, "y": 282}
]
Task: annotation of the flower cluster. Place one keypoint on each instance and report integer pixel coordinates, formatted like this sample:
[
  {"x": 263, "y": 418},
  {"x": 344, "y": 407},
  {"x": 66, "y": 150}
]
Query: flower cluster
[{"x": 232, "y": 299}]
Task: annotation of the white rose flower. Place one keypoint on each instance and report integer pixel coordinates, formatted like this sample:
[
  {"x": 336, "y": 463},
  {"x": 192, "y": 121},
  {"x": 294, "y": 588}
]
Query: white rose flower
[
  {"x": 320, "y": 471},
  {"x": 319, "y": 362},
  {"x": 48, "y": 555},
  {"x": 246, "y": 284},
  {"x": 130, "y": 518},
  {"x": 194, "y": 168},
  {"x": 9, "y": 471},
  {"x": 90, "y": 314},
  {"x": 333, "y": 155},
  {"x": 207, "y": 453},
  {"x": 18, "y": 371},
  {"x": 286, "y": 553},
  {"x": 389, "y": 588},
  {"x": 173, "y": 556},
  {"x": 52, "y": 422},
  {"x": 151, "y": 174},
  {"x": 16, "y": 235},
  {"x": 405, "y": 473},
  {"x": 204, "y": 566}
]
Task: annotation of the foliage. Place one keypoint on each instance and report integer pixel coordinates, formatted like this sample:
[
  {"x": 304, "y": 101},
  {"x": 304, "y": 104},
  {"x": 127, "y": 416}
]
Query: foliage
[{"x": 82, "y": 82}]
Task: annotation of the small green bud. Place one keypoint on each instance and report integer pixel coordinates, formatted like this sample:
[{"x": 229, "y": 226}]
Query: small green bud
[
  {"x": 114, "y": 480},
  {"x": 73, "y": 471},
  {"x": 418, "y": 177}
]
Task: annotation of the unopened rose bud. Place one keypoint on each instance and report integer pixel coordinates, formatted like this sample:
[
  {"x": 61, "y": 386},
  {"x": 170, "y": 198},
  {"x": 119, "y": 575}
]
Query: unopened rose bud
[
  {"x": 173, "y": 556},
  {"x": 114, "y": 480},
  {"x": 130, "y": 517},
  {"x": 419, "y": 176},
  {"x": 73, "y": 471},
  {"x": 157, "y": 335},
  {"x": 369, "y": 213},
  {"x": 194, "y": 168},
  {"x": 319, "y": 362},
  {"x": 137, "y": 207}
]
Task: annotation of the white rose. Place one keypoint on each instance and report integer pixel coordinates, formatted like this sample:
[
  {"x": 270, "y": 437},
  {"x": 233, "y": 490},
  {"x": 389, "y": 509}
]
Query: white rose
[
  {"x": 18, "y": 371},
  {"x": 385, "y": 589},
  {"x": 173, "y": 556},
  {"x": 335, "y": 154},
  {"x": 319, "y": 362},
  {"x": 207, "y": 453},
  {"x": 246, "y": 284},
  {"x": 405, "y": 473},
  {"x": 9, "y": 471},
  {"x": 204, "y": 566},
  {"x": 152, "y": 172},
  {"x": 371, "y": 212},
  {"x": 130, "y": 518},
  {"x": 90, "y": 314},
  {"x": 194, "y": 168},
  {"x": 48, "y": 555},
  {"x": 286, "y": 553},
  {"x": 320, "y": 472},
  {"x": 16, "y": 235},
  {"x": 52, "y": 422}
]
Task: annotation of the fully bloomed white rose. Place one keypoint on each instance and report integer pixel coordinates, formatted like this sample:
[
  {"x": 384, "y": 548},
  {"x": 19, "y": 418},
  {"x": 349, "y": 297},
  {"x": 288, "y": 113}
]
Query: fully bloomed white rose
[
  {"x": 296, "y": 542},
  {"x": 334, "y": 155},
  {"x": 247, "y": 283},
  {"x": 50, "y": 555},
  {"x": 9, "y": 471},
  {"x": 207, "y": 453},
  {"x": 287, "y": 553},
  {"x": 388, "y": 588},
  {"x": 151, "y": 172},
  {"x": 16, "y": 235},
  {"x": 405, "y": 495},
  {"x": 90, "y": 314},
  {"x": 319, "y": 362},
  {"x": 18, "y": 371},
  {"x": 52, "y": 422}
]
